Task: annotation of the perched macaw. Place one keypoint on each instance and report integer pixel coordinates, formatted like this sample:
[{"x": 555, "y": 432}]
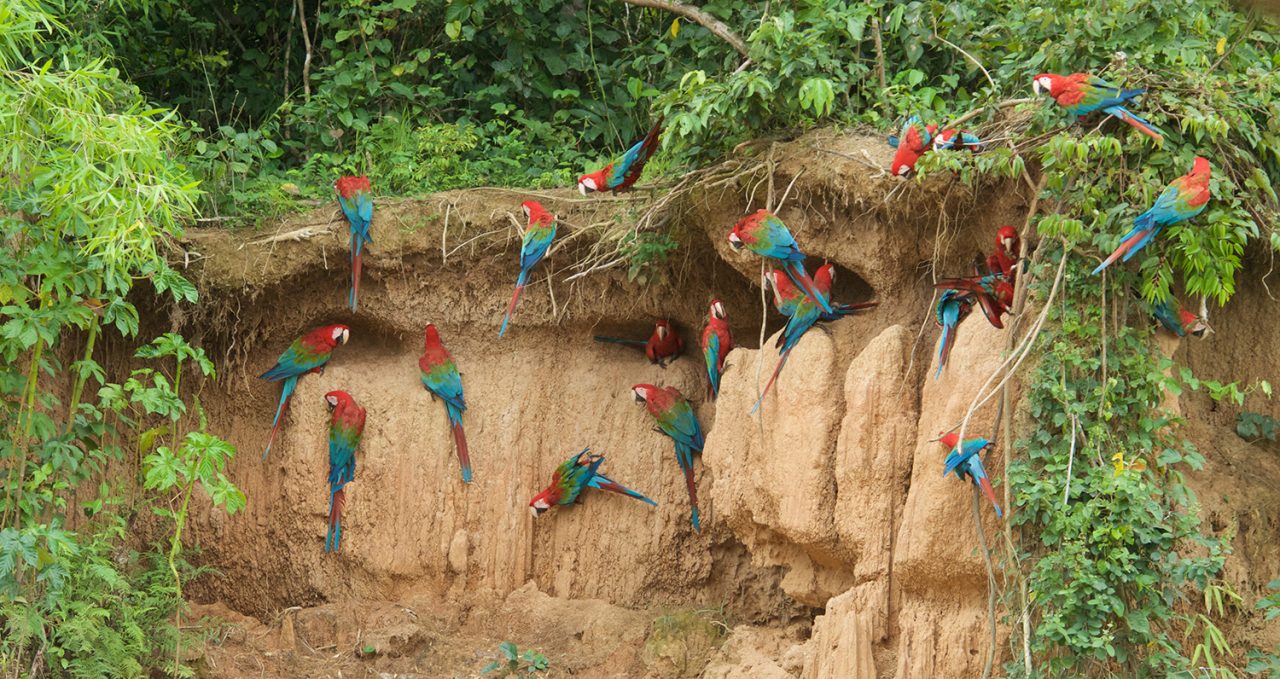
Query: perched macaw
[
  {"x": 764, "y": 234},
  {"x": 575, "y": 475},
  {"x": 805, "y": 315},
  {"x": 440, "y": 376},
  {"x": 537, "y": 239},
  {"x": 346, "y": 426},
  {"x": 994, "y": 293},
  {"x": 1177, "y": 320},
  {"x": 355, "y": 197},
  {"x": 675, "y": 418},
  {"x": 1081, "y": 94},
  {"x": 957, "y": 140},
  {"x": 663, "y": 346},
  {"x": 1008, "y": 246},
  {"x": 716, "y": 343},
  {"x": 620, "y": 177},
  {"x": 914, "y": 141},
  {"x": 964, "y": 462},
  {"x": 307, "y": 354},
  {"x": 953, "y": 307},
  {"x": 823, "y": 279},
  {"x": 1184, "y": 198}
]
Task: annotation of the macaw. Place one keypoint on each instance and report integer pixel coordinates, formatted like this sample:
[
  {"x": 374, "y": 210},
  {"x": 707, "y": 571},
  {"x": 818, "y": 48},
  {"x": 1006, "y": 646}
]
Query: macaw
[
  {"x": 914, "y": 141},
  {"x": 805, "y": 316},
  {"x": 1177, "y": 320},
  {"x": 1184, "y": 198},
  {"x": 993, "y": 292},
  {"x": 575, "y": 475},
  {"x": 675, "y": 418},
  {"x": 620, "y": 177},
  {"x": 440, "y": 376},
  {"x": 308, "y": 353},
  {"x": 764, "y": 234},
  {"x": 1008, "y": 246},
  {"x": 355, "y": 197},
  {"x": 1081, "y": 94},
  {"x": 822, "y": 280},
  {"x": 346, "y": 426},
  {"x": 957, "y": 140},
  {"x": 663, "y": 346},
  {"x": 964, "y": 462},
  {"x": 952, "y": 308},
  {"x": 537, "y": 239},
  {"x": 716, "y": 343}
]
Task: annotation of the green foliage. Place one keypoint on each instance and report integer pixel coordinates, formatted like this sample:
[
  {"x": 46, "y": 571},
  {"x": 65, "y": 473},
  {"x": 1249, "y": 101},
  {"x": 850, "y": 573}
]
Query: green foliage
[
  {"x": 514, "y": 663},
  {"x": 645, "y": 251},
  {"x": 1256, "y": 426}
]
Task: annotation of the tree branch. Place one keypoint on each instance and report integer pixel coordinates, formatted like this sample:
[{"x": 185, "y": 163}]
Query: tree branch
[{"x": 696, "y": 15}]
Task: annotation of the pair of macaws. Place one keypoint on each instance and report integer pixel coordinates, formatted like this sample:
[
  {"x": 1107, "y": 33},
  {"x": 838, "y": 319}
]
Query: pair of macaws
[
  {"x": 307, "y": 354},
  {"x": 915, "y": 139},
  {"x": 662, "y": 347},
  {"x": 964, "y": 462},
  {"x": 574, "y": 476},
  {"x": 992, "y": 290}
]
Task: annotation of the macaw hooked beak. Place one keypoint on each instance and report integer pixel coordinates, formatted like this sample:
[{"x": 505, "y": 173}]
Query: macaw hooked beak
[
  {"x": 662, "y": 332},
  {"x": 1008, "y": 245},
  {"x": 1035, "y": 86},
  {"x": 638, "y": 396},
  {"x": 582, "y": 188},
  {"x": 536, "y": 511},
  {"x": 331, "y": 402},
  {"x": 735, "y": 242}
]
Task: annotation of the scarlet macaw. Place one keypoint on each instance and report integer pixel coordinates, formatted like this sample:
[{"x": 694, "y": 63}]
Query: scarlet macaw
[
  {"x": 308, "y": 353},
  {"x": 717, "y": 341},
  {"x": 346, "y": 426},
  {"x": 1177, "y": 320},
  {"x": 806, "y": 313},
  {"x": 440, "y": 376},
  {"x": 620, "y": 177},
  {"x": 965, "y": 463},
  {"x": 1081, "y": 94},
  {"x": 993, "y": 292},
  {"x": 914, "y": 141},
  {"x": 355, "y": 197},
  {"x": 675, "y": 418},
  {"x": 537, "y": 239},
  {"x": 952, "y": 308},
  {"x": 1008, "y": 246},
  {"x": 764, "y": 234},
  {"x": 957, "y": 140},
  {"x": 663, "y": 346},
  {"x": 572, "y": 477},
  {"x": 1184, "y": 198}
]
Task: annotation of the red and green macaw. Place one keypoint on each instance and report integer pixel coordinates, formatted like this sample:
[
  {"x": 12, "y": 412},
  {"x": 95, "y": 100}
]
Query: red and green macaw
[
  {"x": 1177, "y": 320},
  {"x": 1081, "y": 94},
  {"x": 717, "y": 341},
  {"x": 957, "y": 140},
  {"x": 619, "y": 177},
  {"x": 823, "y": 278},
  {"x": 574, "y": 476},
  {"x": 952, "y": 308},
  {"x": 355, "y": 197},
  {"x": 804, "y": 315},
  {"x": 440, "y": 376},
  {"x": 764, "y": 234},
  {"x": 537, "y": 240},
  {"x": 307, "y": 354},
  {"x": 346, "y": 426},
  {"x": 1008, "y": 246},
  {"x": 994, "y": 293},
  {"x": 965, "y": 463},
  {"x": 664, "y": 345},
  {"x": 1184, "y": 198},
  {"x": 912, "y": 142},
  {"x": 675, "y": 418}
]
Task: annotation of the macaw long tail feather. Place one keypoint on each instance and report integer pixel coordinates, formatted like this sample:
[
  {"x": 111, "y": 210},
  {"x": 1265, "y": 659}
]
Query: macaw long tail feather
[
  {"x": 515, "y": 298},
  {"x": 991, "y": 495},
  {"x": 614, "y": 487},
  {"x": 1127, "y": 248},
  {"x": 944, "y": 348},
  {"x": 782, "y": 361},
  {"x": 795, "y": 271},
  {"x": 1138, "y": 123},
  {"x": 685, "y": 458},
  {"x": 337, "y": 501},
  {"x": 356, "y": 266},
  {"x": 619, "y": 340},
  {"x": 459, "y": 440},
  {"x": 286, "y": 395}
]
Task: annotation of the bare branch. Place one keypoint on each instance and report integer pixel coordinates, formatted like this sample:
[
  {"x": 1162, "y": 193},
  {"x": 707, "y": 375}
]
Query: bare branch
[{"x": 696, "y": 15}]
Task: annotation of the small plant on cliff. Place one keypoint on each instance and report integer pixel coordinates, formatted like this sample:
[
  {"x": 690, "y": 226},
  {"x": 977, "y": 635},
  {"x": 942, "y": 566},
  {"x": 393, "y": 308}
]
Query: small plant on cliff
[{"x": 516, "y": 663}]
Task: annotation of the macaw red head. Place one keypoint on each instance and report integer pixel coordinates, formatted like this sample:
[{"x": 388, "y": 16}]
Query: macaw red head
[
  {"x": 543, "y": 501},
  {"x": 949, "y": 439},
  {"x": 824, "y": 277},
  {"x": 742, "y": 233},
  {"x": 910, "y": 147},
  {"x": 1200, "y": 170},
  {"x": 662, "y": 328},
  {"x": 1007, "y": 238},
  {"x": 1049, "y": 84},
  {"x": 536, "y": 214},
  {"x": 717, "y": 310},
  {"x": 593, "y": 182},
  {"x": 1192, "y": 324},
  {"x": 334, "y": 399},
  {"x": 349, "y": 186},
  {"x": 336, "y": 334},
  {"x": 431, "y": 336},
  {"x": 643, "y": 392}
]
